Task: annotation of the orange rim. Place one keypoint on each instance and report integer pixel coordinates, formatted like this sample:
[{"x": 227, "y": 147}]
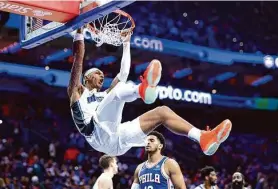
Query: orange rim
[{"x": 123, "y": 13}]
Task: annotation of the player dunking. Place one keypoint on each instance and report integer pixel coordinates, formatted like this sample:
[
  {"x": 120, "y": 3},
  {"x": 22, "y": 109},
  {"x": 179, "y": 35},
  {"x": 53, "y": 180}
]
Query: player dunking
[
  {"x": 158, "y": 171},
  {"x": 97, "y": 115}
]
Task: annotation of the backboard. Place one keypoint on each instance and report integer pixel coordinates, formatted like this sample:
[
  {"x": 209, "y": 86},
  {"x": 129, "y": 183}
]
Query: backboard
[{"x": 36, "y": 29}]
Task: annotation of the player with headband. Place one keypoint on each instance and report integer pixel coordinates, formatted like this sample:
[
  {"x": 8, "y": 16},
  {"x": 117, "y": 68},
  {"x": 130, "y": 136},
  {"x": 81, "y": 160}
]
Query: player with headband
[{"x": 98, "y": 115}]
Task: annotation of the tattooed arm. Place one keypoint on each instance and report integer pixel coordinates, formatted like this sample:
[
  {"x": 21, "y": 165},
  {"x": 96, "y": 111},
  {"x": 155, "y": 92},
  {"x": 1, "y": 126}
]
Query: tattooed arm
[{"x": 75, "y": 87}]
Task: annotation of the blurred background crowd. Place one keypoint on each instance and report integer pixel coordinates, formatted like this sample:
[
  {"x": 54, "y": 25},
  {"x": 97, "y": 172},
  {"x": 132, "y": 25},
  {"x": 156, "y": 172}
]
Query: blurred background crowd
[
  {"x": 40, "y": 148},
  {"x": 210, "y": 24}
]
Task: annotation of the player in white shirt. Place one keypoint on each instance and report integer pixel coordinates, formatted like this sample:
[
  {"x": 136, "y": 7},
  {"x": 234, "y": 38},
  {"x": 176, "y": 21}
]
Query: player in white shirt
[
  {"x": 110, "y": 168},
  {"x": 209, "y": 176},
  {"x": 97, "y": 115}
]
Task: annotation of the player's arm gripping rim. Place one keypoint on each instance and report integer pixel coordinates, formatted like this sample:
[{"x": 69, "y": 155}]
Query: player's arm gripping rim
[
  {"x": 175, "y": 174},
  {"x": 75, "y": 87},
  {"x": 135, "y": 184},
  {"x": 125, "y": 64},
  {"x": 105, "y": 183}
]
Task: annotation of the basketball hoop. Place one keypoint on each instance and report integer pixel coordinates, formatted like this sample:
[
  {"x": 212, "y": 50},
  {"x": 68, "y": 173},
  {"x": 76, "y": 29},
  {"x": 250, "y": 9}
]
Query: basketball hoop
[{"x": 112, "y": 28}]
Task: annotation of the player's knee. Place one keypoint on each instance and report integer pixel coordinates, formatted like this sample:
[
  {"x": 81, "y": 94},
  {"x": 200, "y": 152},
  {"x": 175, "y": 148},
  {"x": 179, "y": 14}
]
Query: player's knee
[
  {"x": 162, "y": 111},
  {"x": 118, "y": 88}
]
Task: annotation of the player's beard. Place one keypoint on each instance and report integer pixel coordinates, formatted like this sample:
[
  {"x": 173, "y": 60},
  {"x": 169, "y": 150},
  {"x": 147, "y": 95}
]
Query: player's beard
[
  {"x": 152, "y": 151},
  {"x": 156, "y": 150},
  {"x": 212, "y": 183},
  {"x": 237, "y": 184}
]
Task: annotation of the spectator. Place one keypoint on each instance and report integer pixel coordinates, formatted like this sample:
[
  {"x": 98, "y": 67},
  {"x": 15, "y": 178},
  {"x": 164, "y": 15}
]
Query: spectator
[
  {"x": 209, "y": 177},
  {"x": 52, "y": 150}
]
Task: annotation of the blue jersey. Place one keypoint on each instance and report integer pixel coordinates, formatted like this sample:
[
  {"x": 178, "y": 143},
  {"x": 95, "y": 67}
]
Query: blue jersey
[{"x": 154, "y": 177}]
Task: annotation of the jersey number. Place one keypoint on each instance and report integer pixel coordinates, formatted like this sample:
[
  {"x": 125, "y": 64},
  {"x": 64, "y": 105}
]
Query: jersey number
[
  {"x": 148, "y": 187},
  {"x": 93, "y": 98}
]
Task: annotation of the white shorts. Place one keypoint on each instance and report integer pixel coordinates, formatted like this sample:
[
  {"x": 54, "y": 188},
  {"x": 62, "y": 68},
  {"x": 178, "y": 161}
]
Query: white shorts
[
  {"x": 109, "y": 134},
  {"x": 128, "y": 134}
]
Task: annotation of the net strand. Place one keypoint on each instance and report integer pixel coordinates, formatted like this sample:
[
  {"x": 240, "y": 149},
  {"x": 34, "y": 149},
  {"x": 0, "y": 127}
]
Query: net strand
[
  {"x": 118, "y": 16},
  {"x": 107, "y": 17},
  {"x": 110, "y": 31},
  {"x": 124, "y": 23}
]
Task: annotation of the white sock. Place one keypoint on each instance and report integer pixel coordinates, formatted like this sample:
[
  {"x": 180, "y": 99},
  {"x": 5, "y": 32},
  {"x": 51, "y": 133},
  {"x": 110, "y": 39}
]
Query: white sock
[{"x": 194, "y": 134}]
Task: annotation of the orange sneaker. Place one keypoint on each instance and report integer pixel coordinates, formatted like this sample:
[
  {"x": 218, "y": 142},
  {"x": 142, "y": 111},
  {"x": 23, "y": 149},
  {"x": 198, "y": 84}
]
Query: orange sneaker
[
  {"x": 210, "y": 140},
  {"x": 150, "y": 79}
]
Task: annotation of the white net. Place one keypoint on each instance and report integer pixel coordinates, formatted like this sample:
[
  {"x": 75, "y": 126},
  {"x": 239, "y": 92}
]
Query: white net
[
  {"x": 109, "y": 34},
  {"x": 111, "y": 28}
]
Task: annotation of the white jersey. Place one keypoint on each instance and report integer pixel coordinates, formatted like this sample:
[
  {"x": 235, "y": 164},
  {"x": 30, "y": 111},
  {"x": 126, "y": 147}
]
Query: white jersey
[
  {"x": 101, "y": 176},
  {"x": 98, "y": 115},
  {"x": 202, "y": 186},
  {"x": 84, "y": 109},
  {"x": 98, "y": 130}
]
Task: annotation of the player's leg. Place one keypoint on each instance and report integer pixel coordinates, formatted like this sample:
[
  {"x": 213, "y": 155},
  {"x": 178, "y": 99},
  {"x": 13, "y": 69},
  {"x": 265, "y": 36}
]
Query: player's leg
[
  {"x": 209, "y": 140},
  {"x": 146, "y": 90},
  {"x": 111, "y": 106}
]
